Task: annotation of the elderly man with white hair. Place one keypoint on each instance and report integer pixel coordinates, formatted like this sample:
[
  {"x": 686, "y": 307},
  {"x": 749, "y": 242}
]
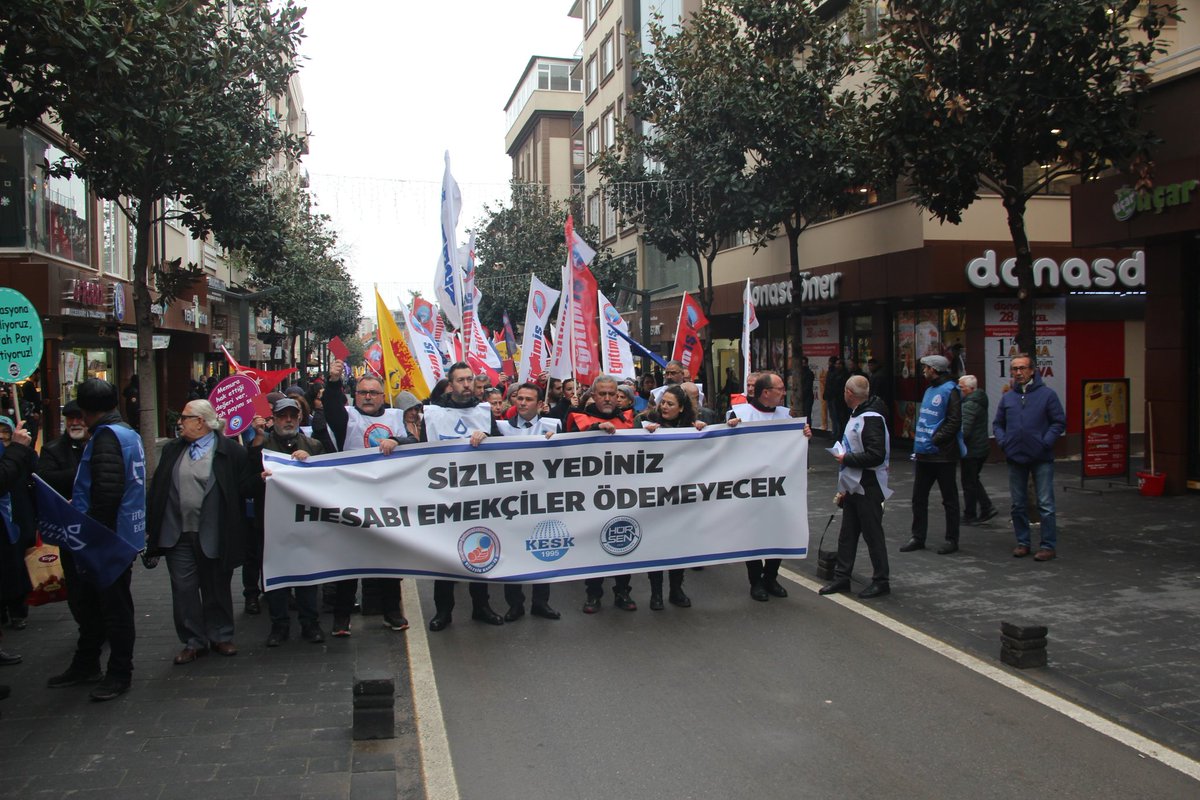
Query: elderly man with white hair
[{"x": 195, "y": 518}]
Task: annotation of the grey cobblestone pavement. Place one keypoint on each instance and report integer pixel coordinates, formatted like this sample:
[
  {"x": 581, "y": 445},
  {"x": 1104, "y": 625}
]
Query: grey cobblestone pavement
[{"x": 1122, "y": 602}]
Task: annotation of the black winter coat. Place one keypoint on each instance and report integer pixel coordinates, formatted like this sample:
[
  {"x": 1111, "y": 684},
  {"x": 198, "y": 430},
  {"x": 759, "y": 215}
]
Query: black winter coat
[
  {"x": 108, "y": 472},
  {"x": 59, "y": 462}
]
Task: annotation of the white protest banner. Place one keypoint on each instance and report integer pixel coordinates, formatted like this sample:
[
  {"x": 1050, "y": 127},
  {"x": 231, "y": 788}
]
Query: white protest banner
[
  {"x": 534, "y": 357},
  {"x": 530, "y": 509}
]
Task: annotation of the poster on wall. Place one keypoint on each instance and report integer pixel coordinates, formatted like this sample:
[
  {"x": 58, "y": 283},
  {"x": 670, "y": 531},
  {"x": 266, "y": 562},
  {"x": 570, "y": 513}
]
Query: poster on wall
[
  {"x": 906, "y": 343},
  {"x": 820, "y": 341},
  {"x": 1106, "y": 428},
  {"x": 1000, "y": 332},
  {"x": 928, "y": 336}
]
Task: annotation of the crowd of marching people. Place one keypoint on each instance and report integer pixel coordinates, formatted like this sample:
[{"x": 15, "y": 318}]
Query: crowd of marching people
[{"x": 201, "y": 510}]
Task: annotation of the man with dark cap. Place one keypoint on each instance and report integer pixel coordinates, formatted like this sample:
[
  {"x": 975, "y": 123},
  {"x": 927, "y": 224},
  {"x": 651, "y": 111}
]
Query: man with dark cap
[
  {"x": 285, "y": 437},
  {"x": 937, "y": 448},
  {"x": 110, "y": 487}
]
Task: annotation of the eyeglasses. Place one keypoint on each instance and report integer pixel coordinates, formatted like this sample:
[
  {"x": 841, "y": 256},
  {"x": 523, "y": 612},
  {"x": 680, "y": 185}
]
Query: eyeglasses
[
  {"x": 369, "y": 393},
  {"x": 1017, "y": 369},
  {"x": 188, "y": 416}
]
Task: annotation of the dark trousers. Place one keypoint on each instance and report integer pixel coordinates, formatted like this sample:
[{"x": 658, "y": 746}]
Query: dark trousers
[
  {"x": 676, "y": 580},
  {"x": 766, "y": 571},
  {"x": 388, "y": 588},
  {"x": 252, "y": 565},
  {"x": 595, "y": 586},
  {"x": 927, "y": 473},
  {"x": 862, "y": 514},
  {"x": 443, "y": 595},
  {"x": 974, "y": 495},
  {"x": 201, "y": 596},
  {"x": 103, "y": 615},
  {"x": 306, "y": 605},
  {"x": 514, "y": 594}
]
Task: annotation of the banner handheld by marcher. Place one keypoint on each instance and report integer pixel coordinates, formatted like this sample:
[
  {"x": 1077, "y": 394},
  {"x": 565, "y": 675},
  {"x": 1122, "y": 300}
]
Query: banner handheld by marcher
[{"x": 516, "y": 509}]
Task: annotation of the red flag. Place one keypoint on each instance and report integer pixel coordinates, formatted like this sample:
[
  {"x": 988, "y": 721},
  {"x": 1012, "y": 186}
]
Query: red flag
[
  {"x": 688, "y": 349},
  {"x": 267, "y": 380},
  {"x": 480, "y": 367},
  {"x": 583, "y": 327}
]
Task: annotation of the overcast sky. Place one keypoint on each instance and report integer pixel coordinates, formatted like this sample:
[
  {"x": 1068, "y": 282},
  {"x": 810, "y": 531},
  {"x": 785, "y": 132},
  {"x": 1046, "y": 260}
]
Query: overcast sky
[{"x": 389, "y": 86}]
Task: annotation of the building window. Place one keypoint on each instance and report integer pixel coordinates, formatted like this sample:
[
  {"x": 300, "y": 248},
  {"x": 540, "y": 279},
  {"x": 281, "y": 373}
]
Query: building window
[
  {"x": 56, "y": 209},
  {"x": 592, "y": 79},
  {"x": 608, "y": 129},
  {"x": 589, "y": 14},
  {"x": 620, "y": 41},
  {"x": 556, "y": 77},
  {"x": 114, "y": 249},
  {"x": 593, "y": 143},
  {"x": 610, "y": 217},
  {"x": 606, "y": 56},
  {"x": 593, "y": 215}
]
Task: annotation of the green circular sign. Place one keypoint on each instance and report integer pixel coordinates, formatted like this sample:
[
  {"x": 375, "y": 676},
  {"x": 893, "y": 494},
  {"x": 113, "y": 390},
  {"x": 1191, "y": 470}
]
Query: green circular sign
[{"x": 20, "y": 336}]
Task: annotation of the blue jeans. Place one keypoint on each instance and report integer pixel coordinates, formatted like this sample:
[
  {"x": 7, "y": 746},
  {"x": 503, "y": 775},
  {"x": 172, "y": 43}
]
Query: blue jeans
[{"x": 1018, "y": 483}]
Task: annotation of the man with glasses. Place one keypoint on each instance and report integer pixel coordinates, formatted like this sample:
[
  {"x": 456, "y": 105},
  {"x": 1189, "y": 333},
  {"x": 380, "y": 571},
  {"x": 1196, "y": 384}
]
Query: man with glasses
[
  {"x": 674, "y": 373},
  {"x": 1029, "y": 419},
  {"x": 363, "y": 426},
  {"x": 765, "y": 402}
]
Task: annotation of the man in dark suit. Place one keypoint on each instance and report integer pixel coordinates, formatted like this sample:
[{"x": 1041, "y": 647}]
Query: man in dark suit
[{"x": 195, "y": 518}]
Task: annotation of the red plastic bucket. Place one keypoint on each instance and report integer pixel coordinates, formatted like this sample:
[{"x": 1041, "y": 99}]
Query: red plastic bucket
[{"x": 1151, "y": 484}]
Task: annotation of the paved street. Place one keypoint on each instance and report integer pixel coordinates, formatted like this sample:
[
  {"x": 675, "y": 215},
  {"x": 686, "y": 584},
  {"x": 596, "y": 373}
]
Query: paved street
[{"x": 794, "y": 698}]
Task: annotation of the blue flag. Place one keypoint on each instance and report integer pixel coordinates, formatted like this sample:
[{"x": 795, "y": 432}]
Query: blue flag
[
  {"x": 639, "y": 348},
  {"x": 100, "y": 555}
]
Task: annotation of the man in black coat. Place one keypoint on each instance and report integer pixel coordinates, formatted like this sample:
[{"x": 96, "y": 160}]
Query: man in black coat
[
  {"x": 195, "y": 517},
  {"x": 105, "y": 614},
  {"x": 862, "y": 487},
  {"x": 16, "y": 464}
]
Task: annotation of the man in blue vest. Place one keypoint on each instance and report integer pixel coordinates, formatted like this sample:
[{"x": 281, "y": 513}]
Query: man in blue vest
[
  {"x": 110, "y": 487},
  {"x": 937, "y": 449}
]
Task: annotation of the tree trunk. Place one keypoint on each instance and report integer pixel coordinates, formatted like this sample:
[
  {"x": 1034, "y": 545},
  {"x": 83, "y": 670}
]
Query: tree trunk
[
  {"x": 147, "y": 425},
  {"x": 1026, "y": 330},
  {"x": 795, "y": 319}
]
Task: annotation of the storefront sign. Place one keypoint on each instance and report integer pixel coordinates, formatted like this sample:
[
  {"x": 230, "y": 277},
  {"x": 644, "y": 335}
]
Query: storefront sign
[
  {"x": 1105, "y": 428},
  {"x": 118, "y": 301},
  {"x": 1074, "y": 273},
  {"x": 85, "y": 293},
  {"x": 820, "y": 341},
  {"x": 233, "y": 400},
  {"x": 190, "y": 314},
  {"x": 1000, "y": 330},
  {"x": 128, "y": 340},
  {"x": 1130, "y": 202},
  {"x": 814, "y": 289},
  {"x": 20, "y": 336},
  {"x": 216, "y": 283}
]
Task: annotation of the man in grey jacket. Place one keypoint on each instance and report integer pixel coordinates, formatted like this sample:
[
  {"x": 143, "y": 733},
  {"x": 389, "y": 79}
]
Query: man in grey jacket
[{"x": 975, "y": 436}]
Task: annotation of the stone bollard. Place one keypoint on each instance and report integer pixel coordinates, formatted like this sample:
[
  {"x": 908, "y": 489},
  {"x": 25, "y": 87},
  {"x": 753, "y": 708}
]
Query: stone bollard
[
  {"x": 1023, "y": 645},
  {"x": 374, "y": 707}
]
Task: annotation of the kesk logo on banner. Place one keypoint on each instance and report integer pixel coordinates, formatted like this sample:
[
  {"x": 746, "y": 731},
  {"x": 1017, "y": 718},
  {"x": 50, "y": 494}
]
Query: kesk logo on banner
[
  {"x": 574, "y": 506},
  {"x": 688, "y": 349},
  {"x": 618, "y": 360},
  {"x": 534, "y": 359}
]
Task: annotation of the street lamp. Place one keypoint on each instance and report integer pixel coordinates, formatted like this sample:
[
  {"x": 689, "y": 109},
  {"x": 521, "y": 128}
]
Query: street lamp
[{"x": 644, "y": 296}]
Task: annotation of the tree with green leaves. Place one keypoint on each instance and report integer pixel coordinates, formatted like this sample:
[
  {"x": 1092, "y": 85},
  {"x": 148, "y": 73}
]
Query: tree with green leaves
[
  {"x": 803, "y": 121},
  {"x": 1007, "y": 98},
  {"x": 527, "y": 237},
  {"x": 684, "y": 181},
  {"x": 161, "y": 99}
]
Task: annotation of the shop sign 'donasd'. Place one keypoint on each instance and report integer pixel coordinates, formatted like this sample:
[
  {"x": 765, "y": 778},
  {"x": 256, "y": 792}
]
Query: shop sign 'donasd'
[{"x": 1129, "y": 273}]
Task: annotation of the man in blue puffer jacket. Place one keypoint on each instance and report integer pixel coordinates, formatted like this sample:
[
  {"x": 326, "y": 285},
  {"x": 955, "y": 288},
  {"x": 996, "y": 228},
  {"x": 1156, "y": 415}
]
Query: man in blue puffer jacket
[{"x": 1028, "y": 421}]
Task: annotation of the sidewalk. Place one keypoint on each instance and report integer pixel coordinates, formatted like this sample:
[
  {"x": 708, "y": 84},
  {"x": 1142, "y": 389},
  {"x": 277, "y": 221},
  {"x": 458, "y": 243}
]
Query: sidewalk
[
  {"x": 1122, "y": 600},
  {"x": 265, "y": 723}
]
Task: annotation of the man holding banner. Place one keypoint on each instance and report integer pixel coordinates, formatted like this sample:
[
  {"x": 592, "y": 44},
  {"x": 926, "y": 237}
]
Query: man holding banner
[{"x": 459, "y": 415}]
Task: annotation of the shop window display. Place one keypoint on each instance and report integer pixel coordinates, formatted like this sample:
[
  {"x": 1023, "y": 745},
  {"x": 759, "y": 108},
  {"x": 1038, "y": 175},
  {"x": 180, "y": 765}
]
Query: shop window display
[{"x": 919, "y": 333}]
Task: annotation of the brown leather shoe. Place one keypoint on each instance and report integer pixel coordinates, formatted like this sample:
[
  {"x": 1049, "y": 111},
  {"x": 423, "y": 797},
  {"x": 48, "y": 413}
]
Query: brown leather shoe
[
  {"x": 225, "y": 649},
  {"x": 1044, "y": 555},
  {"x": 1020, "y": 551},
  {"x": 189, "y": 654}
]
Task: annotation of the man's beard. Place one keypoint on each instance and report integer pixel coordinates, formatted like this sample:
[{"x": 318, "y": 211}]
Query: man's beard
[
  {"x": 77, "y": 434},
  {"x": 287, "y": 431}
]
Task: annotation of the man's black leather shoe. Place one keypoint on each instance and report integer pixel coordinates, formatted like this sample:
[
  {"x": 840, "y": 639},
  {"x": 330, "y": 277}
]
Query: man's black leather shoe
[
  {"x": 948, "y": 548},
  {"x": 485, "y": 614},
  {"x": 544, "y": 611},
  {"x": 253, "y": 607},
  {"x": 775, "y": 589},
  {"x": 591, "y": 605},
  {"x": 678, "y": 598},
  {"x": 875, "y": 590},
  {"x": 623, "y": 601},
  {"x": 912, "y": 544},
  {"x": 514, "y": 613},
  {"x": 759, "y": 592},
  {"x": 656, "y": 603},
  {"x": 439, "y": 622},
  {"x": 840, "y": 585}
]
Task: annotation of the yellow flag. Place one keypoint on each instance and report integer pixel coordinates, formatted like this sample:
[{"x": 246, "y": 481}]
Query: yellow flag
[{"x": 401, "y": 371}]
